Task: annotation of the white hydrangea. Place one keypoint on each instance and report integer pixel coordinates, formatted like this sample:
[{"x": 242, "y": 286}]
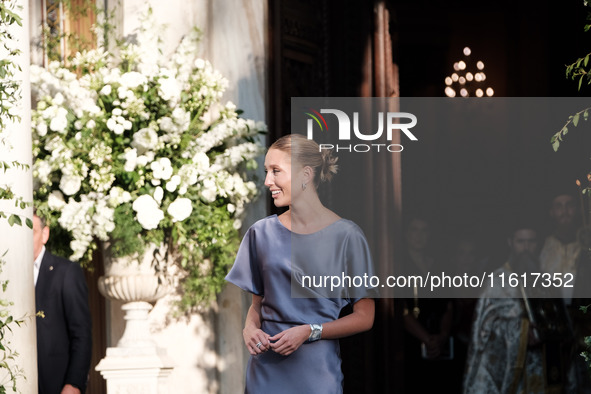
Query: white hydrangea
[
  {"x": 132, "y": 80},
  {"x": 130, "y": 156},
  {"x": 162, "y": 168},
  {"x": 70, "y": 184},
  {"x": 144, "y": 140},
  {"x": 148, "y": 212},
  {"x": 118, "y": 196},
  {"x": 55, "y": 200},
  {"x": 180, "y": 209},
  {"x": 209, "y": 190}
]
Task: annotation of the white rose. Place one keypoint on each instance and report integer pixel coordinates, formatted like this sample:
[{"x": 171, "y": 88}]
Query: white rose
[
  {"x": 209, "y": 192},
  {"x": 162, "y": 168},
  {"x": 119, "y": 129},
  {"x": 41, "y": 129},
  {"x": 180, "y": 209},
  {"x": 173, "y": 183},
  {"x": 158, "y": 194},
  {"x": 90, "y": 124},
  {"x": 169, "y": 89},
  {"x": 111, "y": 124},
  {"x": 142, "y": 160},
  {"x": 231, "y": 208},
  {"x": 144, "y": 140},
  {"x": 133, "y": 79},
  {"x": 149, "y": 214},
  {"x": 130, "y": 160},
  {"x": 199, "y": 63},
  {"x": 56, "y": 200},
  {"x": 70, "y": 184},
  {"x": 58, "y": 99},
  {"x": 106, "y": 90},
  {"x": 166, "y": 124},
  {"x": 201, "y": 161},
  {"x": 58, "y": 123}
]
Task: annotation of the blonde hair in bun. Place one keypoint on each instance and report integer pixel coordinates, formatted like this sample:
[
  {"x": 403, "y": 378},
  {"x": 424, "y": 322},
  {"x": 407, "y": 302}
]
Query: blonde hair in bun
[{"x": 307, "y": 153}]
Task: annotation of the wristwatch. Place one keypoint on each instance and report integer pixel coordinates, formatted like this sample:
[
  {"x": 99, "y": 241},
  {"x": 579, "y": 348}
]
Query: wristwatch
[{"x": 315, "y": 332}]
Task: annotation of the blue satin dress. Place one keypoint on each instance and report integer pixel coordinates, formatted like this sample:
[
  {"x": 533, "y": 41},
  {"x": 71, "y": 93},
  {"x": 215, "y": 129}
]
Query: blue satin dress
[{"x": 263, "y": 267}]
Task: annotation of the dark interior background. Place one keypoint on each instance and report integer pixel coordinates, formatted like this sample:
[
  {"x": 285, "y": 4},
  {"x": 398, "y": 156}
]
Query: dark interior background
[{"x": 320, "y": 48}]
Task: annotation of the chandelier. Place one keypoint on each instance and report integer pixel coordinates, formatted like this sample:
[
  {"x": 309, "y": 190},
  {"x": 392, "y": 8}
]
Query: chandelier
[{"x": 468, "y": 78}]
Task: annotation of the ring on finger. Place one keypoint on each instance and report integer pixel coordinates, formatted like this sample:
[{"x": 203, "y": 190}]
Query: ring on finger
[{"x": 258, "y": 345}]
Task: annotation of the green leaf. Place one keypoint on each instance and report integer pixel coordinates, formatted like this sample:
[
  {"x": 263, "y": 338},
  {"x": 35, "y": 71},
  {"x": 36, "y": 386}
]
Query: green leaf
[
  {"x": 555, "y": 145},
  {"x": 29, "y": 223},
  {"x": 14, "y": 219},
  {"x": 581, "y": 81},
  {"x": 576, "y": 120},
  {"x": 586, "y": 61}
]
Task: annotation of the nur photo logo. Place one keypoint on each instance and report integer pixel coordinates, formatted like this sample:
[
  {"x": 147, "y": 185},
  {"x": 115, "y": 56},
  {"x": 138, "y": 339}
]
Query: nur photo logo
[{"x": 348, "y": 130}]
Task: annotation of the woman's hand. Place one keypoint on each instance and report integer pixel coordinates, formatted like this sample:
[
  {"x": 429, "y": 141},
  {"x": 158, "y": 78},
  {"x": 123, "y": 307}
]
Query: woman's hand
[
  {"x": 252, "y": 333},
  {"x": 252, "y": 336},
  {"x": 288, "y": 341}
]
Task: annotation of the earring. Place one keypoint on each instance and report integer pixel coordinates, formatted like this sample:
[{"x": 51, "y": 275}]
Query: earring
[{"x": 304, "y": 186}]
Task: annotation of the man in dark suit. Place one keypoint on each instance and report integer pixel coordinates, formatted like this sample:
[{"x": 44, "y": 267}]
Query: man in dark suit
[{"x": 64, "y": 335}]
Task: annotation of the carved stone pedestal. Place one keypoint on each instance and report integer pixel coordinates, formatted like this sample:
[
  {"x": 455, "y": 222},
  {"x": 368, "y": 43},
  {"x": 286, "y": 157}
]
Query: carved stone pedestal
[{"x": 136, "y": 365}]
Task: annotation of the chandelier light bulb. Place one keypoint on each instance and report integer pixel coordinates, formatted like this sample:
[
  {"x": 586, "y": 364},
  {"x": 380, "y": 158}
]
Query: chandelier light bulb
[
  {"x": 490, "y": 92},
  {"x": 462, "y": 65},
  {"x": 483, "y": 76},
  {"x": 449, "y": 92},
  {"x": 479, "y": 92},
  {"x": 464, "y": 92},
  {"x": 480, "y": 65},
  {"x": 454, "y": 77},
  {"x": 469, "y": 77},
  {"x": 448, "y": 81},
  {"x": 456, "y": 66},
  {"x": 478, "y": 77},
  {"x": 462, "y": 80},
  {"x": 467, "y": 51}
]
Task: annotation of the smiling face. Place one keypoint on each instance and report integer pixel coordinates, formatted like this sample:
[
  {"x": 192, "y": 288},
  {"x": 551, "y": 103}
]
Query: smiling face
[{"x": 278, "y": 178}]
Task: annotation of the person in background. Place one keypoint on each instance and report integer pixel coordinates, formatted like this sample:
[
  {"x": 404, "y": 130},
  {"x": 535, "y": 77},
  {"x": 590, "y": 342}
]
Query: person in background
[
  {"x": 64, "y": 338},
  {"x": 428, "y": 347},
  {"x": 519, "y": 336}
]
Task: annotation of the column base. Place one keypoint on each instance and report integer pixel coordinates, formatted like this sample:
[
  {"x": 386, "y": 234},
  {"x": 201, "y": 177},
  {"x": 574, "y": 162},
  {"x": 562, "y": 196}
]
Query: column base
[{"x": 136, "y": 370}]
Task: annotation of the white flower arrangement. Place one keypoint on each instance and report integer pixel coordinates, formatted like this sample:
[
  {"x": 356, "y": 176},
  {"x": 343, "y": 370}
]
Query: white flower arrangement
[{"x": 138, "y": 149}]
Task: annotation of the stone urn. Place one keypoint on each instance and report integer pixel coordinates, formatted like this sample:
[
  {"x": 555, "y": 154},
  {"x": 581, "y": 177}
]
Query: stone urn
[{"x": 136, "y": 363}]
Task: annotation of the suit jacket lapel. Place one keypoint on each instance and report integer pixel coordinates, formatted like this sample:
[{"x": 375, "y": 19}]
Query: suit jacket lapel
[{"x": 45, "y": 271}]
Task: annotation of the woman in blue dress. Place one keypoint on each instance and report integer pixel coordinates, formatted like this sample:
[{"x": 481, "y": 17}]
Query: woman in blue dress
[{"x": 293, "y": 341}]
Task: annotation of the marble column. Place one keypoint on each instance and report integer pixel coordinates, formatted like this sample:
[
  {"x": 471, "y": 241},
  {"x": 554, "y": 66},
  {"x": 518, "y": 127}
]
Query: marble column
[{"x": 17, "y": 241}]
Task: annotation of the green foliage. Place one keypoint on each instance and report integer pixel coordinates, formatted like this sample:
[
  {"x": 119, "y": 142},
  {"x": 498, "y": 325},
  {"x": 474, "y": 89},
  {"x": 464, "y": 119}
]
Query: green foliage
[
  {"x": 8, "y": 354},
  {"x": 572, "y": 120},
  {"x": 9, "y": 87},
  {"x": 580, "y": 71},
  {"x": 125, "y": 238}
]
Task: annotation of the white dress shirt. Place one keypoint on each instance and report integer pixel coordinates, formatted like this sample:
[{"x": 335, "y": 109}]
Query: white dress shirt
[{"x": 37, "y": 264}]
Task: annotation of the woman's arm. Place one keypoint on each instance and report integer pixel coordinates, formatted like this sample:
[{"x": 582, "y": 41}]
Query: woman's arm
[
  {"x": 252, "y": 332},
  {"x": 361, "y": 319}
]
